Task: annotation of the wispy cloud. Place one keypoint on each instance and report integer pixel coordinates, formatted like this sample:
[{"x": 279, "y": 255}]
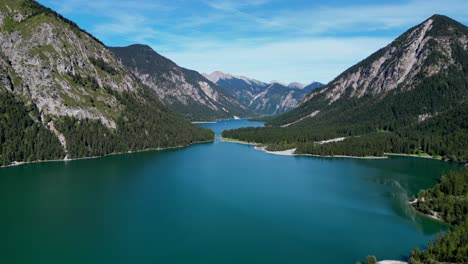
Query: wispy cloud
[
  {"x": 305, "y": 60},
  {"x": 266, "y": 39},
  {"x": 360, "y": 19},
  {"x": 230, "y": 5}
]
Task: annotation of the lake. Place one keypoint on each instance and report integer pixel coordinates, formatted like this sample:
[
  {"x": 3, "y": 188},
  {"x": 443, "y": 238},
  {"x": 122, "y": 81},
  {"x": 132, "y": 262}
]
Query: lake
[{"x": 214, "y": 203}]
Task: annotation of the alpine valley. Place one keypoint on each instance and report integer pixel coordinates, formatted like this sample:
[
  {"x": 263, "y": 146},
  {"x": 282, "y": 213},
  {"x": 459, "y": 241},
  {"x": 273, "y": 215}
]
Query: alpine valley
[
  {"x": 185, "y": 91},
  {"x": 409, "y": 97},
  {"x": 344, "y": 181},
  {"x": 263, "y": 98},
  {"x": 63, "y": 94}
]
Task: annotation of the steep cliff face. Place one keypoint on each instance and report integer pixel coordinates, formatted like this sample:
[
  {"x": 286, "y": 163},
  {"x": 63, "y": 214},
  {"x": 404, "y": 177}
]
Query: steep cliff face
[
  {"x": 430, "y": 52},
  {"x": 48, "y": 64},
  {"x": 263, "y": 98},
  {"x": 58, "y": 67},
  {"x": 276, "y": 98},
  {"x": 186, "y": 91}
]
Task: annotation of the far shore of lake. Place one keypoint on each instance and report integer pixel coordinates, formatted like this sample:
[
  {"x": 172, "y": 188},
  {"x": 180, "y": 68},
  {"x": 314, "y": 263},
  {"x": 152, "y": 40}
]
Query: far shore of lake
[{"x": 290, "y": 152}]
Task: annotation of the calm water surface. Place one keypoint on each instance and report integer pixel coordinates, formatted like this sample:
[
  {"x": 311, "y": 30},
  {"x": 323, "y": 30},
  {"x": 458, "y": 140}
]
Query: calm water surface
[{"x": 213, "y": 203}]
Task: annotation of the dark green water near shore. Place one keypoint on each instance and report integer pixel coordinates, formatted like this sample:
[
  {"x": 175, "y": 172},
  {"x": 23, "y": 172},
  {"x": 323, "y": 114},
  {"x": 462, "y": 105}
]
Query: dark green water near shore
[{"x": 213, "y": 203}]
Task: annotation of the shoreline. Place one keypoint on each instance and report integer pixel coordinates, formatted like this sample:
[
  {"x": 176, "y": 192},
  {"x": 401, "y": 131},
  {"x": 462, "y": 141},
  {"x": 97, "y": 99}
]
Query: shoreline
[
  {"x": 219, "y": 120},
  {"x": 433, "y": 215},
  {"x": 386, "y": 154},
  {"x": 203, "y": 122},
  {"x": 413, "y": 156},
  {"x": 19, "y": 163},
  {"x": 231, "y": 140},
  {"x": 290, "y": 152}
]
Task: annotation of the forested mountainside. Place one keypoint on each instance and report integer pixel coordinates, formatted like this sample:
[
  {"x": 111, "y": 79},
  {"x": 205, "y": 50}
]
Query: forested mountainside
[
  {"x": 63, "y": 94},
  {"x": 183, "y": 90},
  {"x": 409, "y": 97},
  {"x": 263, "y": 98},
  {"x": 447, "y": 200}
]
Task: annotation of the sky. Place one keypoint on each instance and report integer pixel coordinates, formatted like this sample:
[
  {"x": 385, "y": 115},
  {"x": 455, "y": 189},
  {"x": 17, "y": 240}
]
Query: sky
[{"x": 283, "y": 40}]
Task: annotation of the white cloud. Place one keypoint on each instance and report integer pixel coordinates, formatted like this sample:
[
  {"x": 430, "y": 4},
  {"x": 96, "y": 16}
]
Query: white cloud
[
  {"x": 305, "y": 60},
  {"x": 365, "y": 18},
  {"x": 103, "y": 7},
  {"x": 251, "y": 38},
  {"x": 230, "y": 5}
]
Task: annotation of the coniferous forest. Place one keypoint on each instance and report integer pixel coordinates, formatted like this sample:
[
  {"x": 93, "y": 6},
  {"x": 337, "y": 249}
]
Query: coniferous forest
[
  {"x": 23, "y": 137},
  {"x": 391, "y": 126},
  {"x": 449, "y": 200}
]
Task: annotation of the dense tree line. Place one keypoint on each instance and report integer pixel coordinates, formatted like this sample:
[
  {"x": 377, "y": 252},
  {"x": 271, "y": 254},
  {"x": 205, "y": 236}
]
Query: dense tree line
[
  {"x": 449, "y": 248},
  {"x": 445, "y": 135},
  {"x": 449, "y": 198},
  {"x": 374, "y": 124},
  {"x": 21, "y": 138},
  {"x": 142, "y": 125}
]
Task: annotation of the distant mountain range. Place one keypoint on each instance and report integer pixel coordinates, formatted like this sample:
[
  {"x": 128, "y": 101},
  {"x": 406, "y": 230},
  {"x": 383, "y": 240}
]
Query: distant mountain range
[
  {"x": 263, "y": 98},
  {"x": 409, "y": 97},
  {"x": 185, "y": 91},
  {"x": 209, "y": 96}
]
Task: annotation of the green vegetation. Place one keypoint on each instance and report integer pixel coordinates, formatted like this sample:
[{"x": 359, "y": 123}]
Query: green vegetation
[
  {"x": 141, "y": 121},
  {"x": 22, "y": 138},
  {"x": 449, "y": 199},
  {"x": 104, "y": 66},
  {"x": 444, "y": 135},
  {"x": 88, "y": 81},
  {"x": 142, "y": 59},
  {"x": 142, "y": 125},
  {"x": 392, "y": 123},
  {"x": 371, "y": 260},
  {"x": 35, "y": 9},
  {"x": 449, "y": 248}
]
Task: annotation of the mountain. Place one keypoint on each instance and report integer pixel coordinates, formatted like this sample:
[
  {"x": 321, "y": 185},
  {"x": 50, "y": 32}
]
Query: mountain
[
  {"x": 314, "y": 85},
  {"x": 296, "y": 85},
  {"x": 418, "y": 83},
  {"x": 186, "y": 91},
  {"x": 421, "y": 62},
  {"x": 276, "y": 99},
  {"x": 241, "y": 87},
  {"x": 263, "y": 98},
  {"x": 63, "y": 94}
]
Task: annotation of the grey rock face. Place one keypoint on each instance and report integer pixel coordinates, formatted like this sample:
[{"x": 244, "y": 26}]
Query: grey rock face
[
  {"x": 186, "y": 91},
  {"x": 263, "y": 98}
]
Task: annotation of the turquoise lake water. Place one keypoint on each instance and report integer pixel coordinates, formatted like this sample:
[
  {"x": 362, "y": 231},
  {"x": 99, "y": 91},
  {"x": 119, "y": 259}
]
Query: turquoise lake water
[{"x": 214, "y": 203}]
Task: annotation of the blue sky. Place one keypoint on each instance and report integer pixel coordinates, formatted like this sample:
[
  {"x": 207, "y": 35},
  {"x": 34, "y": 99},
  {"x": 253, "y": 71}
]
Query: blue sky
[{"x": 294, "y": 40}]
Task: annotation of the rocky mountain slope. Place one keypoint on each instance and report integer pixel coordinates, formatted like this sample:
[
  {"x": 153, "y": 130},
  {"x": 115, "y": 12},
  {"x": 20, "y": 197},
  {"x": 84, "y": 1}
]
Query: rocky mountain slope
[
  {"x": 186, "y": 91},
  {"x": 314, "y": 85},
  {"x": 71, "y": 91},
  {"x": 390, "y": 82},
  {"x": 409, "y": 97},
  {"x": 263, "y": 98}
]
